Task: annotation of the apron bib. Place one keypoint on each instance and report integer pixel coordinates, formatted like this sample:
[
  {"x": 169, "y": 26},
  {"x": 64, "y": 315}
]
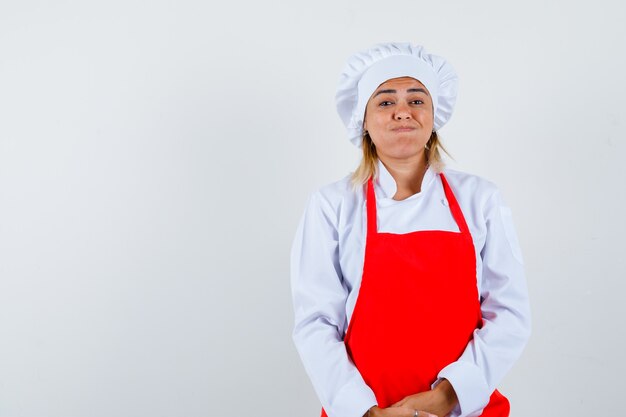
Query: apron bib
[{"x": 417, "y": 307}]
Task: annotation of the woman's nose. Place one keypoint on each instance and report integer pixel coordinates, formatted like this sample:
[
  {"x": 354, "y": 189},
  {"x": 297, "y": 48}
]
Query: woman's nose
[{"x": 402, "y": 112}]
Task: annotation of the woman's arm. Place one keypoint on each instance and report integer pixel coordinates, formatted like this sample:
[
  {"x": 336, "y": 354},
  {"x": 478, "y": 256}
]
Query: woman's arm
[
  {"x": 319, "y": 300},
  {"x": 505, "y": 311}
]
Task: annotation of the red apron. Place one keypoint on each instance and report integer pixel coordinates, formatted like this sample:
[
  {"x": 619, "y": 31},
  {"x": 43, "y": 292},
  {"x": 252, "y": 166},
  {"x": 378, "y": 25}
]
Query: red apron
[{"x": 417, "y": 308}]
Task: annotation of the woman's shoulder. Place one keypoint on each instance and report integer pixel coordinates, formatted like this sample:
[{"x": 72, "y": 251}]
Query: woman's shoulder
[
  {"x": 337, "y": 192},
  {"x": 334, "y": 197},
  {"x": 468, "y": 186}
]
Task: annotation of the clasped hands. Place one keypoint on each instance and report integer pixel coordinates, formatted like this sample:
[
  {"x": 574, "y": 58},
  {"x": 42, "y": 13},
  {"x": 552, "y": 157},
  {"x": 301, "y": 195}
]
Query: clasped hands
[{"x": 437, "y": 402}]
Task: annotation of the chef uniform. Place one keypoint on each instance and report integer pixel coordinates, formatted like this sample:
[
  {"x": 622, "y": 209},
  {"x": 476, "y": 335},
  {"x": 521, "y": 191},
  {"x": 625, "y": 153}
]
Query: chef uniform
[{"x": 391, "y": 297}]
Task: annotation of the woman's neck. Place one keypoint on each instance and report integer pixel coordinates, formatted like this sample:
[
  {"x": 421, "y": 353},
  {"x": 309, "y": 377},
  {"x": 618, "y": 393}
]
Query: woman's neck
[{"x": 408, "y": 175}]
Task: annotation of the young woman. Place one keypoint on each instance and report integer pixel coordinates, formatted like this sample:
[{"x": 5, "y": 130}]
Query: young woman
[{"x": 407, "y": 278}]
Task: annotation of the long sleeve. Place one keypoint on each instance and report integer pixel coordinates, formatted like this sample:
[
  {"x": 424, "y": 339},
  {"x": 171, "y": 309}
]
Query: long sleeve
[
  {"x": 505, "y": 311},
  {"x": 319, "y": 300}
]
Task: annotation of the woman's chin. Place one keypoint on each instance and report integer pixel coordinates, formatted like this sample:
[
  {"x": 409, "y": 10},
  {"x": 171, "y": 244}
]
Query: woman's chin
[{"x": 406, "y": 151}]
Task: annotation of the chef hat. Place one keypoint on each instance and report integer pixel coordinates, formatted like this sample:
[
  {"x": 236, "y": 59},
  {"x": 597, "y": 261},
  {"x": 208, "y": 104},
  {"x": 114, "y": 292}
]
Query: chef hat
[{"x": 366, "y": 70}]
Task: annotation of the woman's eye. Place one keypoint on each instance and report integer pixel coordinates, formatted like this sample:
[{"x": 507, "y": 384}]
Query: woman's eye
[
  {"x": 385, "y": 103},
  {"x": 417, "y": 102}
]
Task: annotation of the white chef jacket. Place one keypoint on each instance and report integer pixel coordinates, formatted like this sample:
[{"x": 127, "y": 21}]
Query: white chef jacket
[{"x": 327, "y": 264}]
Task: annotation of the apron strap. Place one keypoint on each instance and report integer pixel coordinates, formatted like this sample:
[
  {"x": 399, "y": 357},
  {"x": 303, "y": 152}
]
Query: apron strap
[
  {"x": 372, "y": 228},
  {"x": 454, "y": 206}
]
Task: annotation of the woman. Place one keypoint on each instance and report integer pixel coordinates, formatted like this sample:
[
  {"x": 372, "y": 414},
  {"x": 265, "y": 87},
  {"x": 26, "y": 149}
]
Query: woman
[{"x": 407, "y": 278}]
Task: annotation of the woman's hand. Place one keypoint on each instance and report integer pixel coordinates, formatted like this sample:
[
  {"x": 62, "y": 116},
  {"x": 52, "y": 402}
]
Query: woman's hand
[
  {"x": 399, "y": 411},
  {"x": 439, "y": 401}
]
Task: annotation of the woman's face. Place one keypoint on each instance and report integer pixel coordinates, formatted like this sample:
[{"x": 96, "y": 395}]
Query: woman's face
[{"x": 399, "y": 118}]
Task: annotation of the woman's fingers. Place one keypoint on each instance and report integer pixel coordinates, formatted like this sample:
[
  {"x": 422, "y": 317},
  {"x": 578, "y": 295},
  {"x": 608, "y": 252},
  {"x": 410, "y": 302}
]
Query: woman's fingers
[
  {"x": 406, "y": 412},
  {"x": 425, "y": 414},
  {"x": 421, "y": 413}
]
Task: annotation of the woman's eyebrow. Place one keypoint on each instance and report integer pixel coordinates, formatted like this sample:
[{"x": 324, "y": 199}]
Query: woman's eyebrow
[
  {"x": 410, "y": 90},
  {"x": 417, "y": 90}
]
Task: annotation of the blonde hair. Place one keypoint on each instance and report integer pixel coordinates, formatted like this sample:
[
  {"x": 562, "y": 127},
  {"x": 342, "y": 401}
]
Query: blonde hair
[{"x": 368, "y": 167}]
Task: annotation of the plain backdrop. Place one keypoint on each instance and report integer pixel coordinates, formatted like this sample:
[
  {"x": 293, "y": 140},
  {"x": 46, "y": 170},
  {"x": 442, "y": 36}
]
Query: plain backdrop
[{"x": 156, "y": 156}]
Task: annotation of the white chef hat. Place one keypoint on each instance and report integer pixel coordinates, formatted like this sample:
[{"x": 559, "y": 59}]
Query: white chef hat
[{"x": 366, "y": 70}]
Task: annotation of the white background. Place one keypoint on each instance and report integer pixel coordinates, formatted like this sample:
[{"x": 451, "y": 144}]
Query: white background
[{"x": 155, "y": 158}]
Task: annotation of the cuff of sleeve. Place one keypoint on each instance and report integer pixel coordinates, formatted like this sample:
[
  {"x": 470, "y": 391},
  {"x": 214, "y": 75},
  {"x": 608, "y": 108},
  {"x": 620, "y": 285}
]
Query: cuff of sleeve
[
  {"x": 469, "y": 385},
  {"x": 352, "y": 400}
]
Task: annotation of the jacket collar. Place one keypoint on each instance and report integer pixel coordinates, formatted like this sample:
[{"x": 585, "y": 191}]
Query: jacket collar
[{"x": 386, "y": 187}]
